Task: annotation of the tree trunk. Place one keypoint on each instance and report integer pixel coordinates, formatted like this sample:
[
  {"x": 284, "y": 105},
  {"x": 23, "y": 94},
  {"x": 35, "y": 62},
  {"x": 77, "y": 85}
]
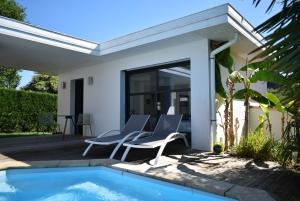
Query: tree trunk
[
  {"x": 226, "y": 117},
  {"x": 230, "y": 129},
  {"x": 282, "y": 124},
  {"x": 246, "y": 124},
  {"x": 270, "y": 127}
]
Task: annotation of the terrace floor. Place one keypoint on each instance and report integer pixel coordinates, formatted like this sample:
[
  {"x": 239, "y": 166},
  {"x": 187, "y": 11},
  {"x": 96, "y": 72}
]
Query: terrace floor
[{"x": 177, "y": 162}]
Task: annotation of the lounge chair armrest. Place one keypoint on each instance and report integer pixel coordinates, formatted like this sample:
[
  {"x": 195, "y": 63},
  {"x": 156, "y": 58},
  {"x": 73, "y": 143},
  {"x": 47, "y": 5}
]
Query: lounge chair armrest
[
  {"x": 142, "y": 134},
  {"x": 129, "y": 135},
  {"x": 172, "y": 135},
  {"x": 107, "y": 132}
]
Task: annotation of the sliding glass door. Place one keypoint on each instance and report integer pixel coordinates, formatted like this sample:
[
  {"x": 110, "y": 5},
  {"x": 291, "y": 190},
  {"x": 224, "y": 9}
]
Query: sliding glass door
[{"x": 160, "y": 90}]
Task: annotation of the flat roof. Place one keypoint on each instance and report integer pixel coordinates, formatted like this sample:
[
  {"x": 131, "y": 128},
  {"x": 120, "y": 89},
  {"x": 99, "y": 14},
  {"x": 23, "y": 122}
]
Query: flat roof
[{"x": 13, "y": 33}]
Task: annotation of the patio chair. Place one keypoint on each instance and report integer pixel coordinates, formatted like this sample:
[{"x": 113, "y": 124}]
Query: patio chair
[
  {"x": 84, "y": 120},
  {"x": 166, "y": 130},
  {"x": 47, "y": 121},
  {"x": 133, "y": 127}
]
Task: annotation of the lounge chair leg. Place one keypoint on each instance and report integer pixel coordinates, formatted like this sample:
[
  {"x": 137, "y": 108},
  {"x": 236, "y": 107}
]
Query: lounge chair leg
[
  {"x": 116, "y": 149},
  {"x": 185, "y": 141},
  {"x": 159, "y": 153},
  {"x": 91, "y": 130},
  {"x": 87, "y": 149},
  {"x": 125, "y": 153}
]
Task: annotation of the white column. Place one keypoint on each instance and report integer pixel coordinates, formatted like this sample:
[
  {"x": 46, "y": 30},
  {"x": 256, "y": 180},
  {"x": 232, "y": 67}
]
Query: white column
[{"x": 200, "y": 104}]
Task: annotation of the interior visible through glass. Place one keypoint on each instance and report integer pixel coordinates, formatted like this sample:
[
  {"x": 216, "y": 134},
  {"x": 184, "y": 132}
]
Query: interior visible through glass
[{"x": 160, "y": 90}]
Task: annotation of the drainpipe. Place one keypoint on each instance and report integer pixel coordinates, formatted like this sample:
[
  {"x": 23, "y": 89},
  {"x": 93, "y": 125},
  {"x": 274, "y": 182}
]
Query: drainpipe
[{"x": 213, "y": 125}]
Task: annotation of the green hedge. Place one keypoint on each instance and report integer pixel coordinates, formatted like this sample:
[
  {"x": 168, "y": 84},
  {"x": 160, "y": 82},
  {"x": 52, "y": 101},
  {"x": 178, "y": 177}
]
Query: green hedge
[{"x": 19, "y": 110}]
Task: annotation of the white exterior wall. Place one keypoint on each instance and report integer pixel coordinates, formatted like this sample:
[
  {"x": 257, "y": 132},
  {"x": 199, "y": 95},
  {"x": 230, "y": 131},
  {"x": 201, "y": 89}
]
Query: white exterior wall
[
  {"x": 275, "y": 119},
  {"x": 238, "y": 121},
  {"x": 105, "y": 98},
  {"x": 238, "y": 105},
  {"x": 239, "y": 62}
]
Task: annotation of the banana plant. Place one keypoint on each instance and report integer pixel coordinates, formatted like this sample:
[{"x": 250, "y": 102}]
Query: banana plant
[
  {"x": 223, "y": 59},
  {"x": 265, "y": 118},
  {"x": 243, "y": 94},
  {"x": 253, "y": 75},
  {"x": 280, "y": 107}
]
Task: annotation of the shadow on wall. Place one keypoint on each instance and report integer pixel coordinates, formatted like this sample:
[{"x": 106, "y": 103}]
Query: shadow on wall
[{"x": 239, "y": 120}]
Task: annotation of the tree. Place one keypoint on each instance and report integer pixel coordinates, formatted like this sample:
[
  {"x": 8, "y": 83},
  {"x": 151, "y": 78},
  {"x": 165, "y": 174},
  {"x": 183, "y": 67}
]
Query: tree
[
  {"x": 254, "y": 72},
  {"x": 11, "y": 9},
  {"x": 9, "y": 77},
  {"x": 224, "y": 59},
  {"x": 281, "y": 47},
  {"x": 42, "y": 83}
]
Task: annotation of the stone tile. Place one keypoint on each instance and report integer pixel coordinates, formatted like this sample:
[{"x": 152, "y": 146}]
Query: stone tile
[
  {"x": 248, "y": 194},
  {"x": 74, "y": 163},
  {"x": 177, "y": 181},
  {"x": 131, "y": 167},
  {"x": 209, "y": 185},
  {"x": 44, "y": 164},
  {"x": 102, "y": 162}
]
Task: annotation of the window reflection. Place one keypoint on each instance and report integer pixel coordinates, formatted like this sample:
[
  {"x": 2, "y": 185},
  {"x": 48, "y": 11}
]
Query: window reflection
[
  {"x": 159, "y": 91},
  {"x": 142, "y": 82},
  {"x": 174, "y": 78}
]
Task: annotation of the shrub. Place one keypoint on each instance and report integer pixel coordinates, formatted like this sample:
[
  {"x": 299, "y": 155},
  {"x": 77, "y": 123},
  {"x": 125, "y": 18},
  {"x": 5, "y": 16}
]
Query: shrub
[
  {"x": 19, "y": 110},
  {"x": 218, "y": 149},
  {"x": 257, "y": 146},
  {"x": 289, "y": 148}
]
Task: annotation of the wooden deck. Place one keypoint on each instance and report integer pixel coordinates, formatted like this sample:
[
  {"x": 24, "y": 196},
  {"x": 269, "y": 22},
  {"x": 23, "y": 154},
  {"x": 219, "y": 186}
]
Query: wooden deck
[
  {"x": 54, "y": 148},
  {"x": 282, "y": 185}
]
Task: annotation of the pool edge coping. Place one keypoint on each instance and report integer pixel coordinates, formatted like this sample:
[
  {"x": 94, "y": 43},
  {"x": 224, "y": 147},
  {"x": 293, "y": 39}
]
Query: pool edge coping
[{"x": 209, "y": 185}]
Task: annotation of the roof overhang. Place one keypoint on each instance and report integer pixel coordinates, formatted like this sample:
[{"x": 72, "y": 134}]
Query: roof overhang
[{"x": 28, "y": 47}]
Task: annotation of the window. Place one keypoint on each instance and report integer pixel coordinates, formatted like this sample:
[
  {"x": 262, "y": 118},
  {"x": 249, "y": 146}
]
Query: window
[{"x": 160, "y": 90}]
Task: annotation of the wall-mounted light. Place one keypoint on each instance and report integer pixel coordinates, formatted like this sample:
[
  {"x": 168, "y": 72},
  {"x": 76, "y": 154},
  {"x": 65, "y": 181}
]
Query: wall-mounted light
[
  {"x": 63, "y": 85},
  {"x": 90, "y": 80}
]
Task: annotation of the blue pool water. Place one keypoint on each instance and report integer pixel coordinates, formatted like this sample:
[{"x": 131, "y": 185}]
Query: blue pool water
[{"x": 91, "y": 184}]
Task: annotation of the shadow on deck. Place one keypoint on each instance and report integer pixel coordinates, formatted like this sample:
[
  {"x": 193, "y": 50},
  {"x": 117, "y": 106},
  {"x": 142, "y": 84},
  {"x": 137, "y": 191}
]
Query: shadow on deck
[{"x": 54, "y": 148}]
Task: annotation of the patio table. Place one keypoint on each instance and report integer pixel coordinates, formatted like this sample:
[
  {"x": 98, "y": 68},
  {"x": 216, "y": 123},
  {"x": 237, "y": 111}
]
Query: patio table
[{"x": 67, "y": 118}]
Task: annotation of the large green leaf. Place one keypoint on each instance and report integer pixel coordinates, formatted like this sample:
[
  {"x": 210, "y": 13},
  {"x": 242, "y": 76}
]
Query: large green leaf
[
  {"x": 222, "y": 59},
  {"x": 219, "y": 85},
  {"x": 252, "y": 94},
  {"x": 257, "y": 65},
  {"x": 275, "y": 100},
  {"x": 264, "y": 108},
  {"x": 266, "y": 76},
  {"x": 281, "y": 46}
]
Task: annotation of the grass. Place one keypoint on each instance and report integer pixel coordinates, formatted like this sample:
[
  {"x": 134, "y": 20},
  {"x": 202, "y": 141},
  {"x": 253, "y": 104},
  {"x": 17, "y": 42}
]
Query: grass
[
  {"x": 257, "y": 146},
  {"x": 23, "y": 134}
]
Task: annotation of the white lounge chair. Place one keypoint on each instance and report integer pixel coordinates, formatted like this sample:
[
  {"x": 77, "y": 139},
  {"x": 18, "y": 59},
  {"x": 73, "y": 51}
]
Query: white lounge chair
[
  {"x": 166, "y": 130},
  {"x": 133, "y": 127}
]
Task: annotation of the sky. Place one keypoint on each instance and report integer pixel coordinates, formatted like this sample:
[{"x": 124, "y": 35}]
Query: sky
[{"x": 101, "y": 20}]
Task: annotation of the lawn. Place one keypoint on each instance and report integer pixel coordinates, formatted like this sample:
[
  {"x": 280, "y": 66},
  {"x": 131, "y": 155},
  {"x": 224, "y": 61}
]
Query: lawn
[{"x": 23, "y": 134}]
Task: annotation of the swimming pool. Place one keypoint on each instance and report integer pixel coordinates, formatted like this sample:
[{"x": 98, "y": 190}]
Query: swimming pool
[{"x": 91, "y": 184}]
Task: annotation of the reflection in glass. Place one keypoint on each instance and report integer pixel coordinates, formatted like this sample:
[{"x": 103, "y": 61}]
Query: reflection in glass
[
  {"x": 177, "y": 103},
  {"x": 161, "y": 91},
  {"x": 142, "y": 82},
  {"x": 174, "y": 78}
]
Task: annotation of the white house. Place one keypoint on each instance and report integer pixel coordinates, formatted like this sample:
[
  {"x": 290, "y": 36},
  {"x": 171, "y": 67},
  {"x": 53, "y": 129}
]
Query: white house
[{"x": 168, "y": 67}]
